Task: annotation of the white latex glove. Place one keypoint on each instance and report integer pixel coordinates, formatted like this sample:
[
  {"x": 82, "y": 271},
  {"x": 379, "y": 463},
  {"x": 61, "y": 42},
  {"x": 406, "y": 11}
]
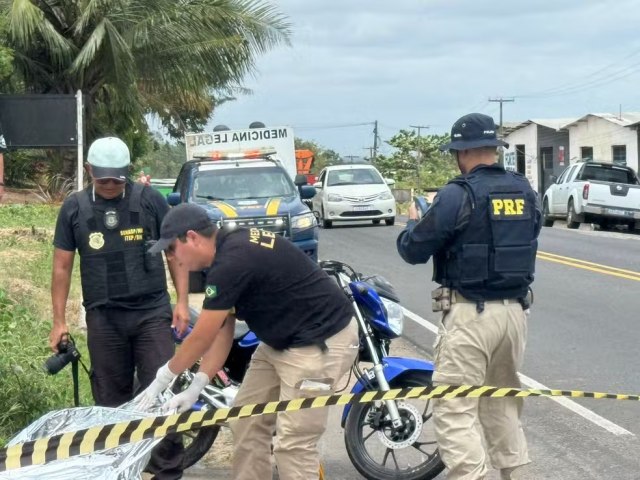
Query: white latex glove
[
  {"x": 185, "y": 399},
  {"x": 149, "y": 396}
]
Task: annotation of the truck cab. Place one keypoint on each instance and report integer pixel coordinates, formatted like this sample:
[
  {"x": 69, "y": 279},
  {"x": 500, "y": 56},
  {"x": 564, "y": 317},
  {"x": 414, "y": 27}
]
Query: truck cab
[{"x": 251, "y": 190}]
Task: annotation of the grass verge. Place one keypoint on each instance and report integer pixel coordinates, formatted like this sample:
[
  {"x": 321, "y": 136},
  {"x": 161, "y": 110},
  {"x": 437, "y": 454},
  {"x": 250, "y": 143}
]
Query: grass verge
[{"x": 26, "y": 252}]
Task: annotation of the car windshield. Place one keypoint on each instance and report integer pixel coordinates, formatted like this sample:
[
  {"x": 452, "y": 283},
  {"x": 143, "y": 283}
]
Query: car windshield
[
  {"x": 242, "y": 183},
  {"x": 606, "y": 173},
  {"x": 354, "y": 176}
]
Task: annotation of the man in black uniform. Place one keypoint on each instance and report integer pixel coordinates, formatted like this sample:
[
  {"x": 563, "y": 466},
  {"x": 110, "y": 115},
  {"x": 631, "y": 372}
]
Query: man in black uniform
[
  {"x": 124, "y": 289},
  {"x": 306, "y": 324},
  {"x": 481, "y": 231}
]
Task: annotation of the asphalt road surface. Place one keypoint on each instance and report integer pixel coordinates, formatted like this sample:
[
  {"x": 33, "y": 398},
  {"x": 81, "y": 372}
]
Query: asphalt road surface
[{"x": 583, "y": 335}]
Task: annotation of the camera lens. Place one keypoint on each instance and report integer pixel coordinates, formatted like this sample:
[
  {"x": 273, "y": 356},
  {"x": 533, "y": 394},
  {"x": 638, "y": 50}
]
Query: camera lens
[{"x": 57, "y": 362}]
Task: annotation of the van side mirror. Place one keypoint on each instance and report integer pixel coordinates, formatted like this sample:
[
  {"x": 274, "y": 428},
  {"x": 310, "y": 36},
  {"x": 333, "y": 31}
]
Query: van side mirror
[
  {"x": 553, "y": 178},
  {"x": 173, "y": 198},
  {"x": 300, "y": 180},
  {"x": 390, "y": 181},
  {"x": 317, "y": 185}
]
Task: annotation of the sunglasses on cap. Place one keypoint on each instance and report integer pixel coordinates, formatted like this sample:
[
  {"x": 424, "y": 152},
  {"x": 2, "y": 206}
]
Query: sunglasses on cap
[{"x": 105, "y": 181}]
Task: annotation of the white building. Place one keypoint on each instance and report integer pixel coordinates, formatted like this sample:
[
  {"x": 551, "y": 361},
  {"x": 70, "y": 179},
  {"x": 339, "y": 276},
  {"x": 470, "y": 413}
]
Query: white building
[
  {"x": 606, "y": 137},
  {"x": 540, "y": 148}
]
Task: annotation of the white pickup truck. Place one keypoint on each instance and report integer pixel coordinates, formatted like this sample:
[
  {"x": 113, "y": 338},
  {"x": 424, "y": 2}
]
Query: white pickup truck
[{"x": 604, "y": 194}]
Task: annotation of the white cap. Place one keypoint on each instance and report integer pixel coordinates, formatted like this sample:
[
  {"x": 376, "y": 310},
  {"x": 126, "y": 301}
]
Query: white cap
[{"x": 109, "y": 158}]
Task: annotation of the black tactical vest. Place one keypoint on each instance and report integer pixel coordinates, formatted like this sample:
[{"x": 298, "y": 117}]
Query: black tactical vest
[
  {"x": 494, "y": 257},
  {"x": 112, "y": 243}
]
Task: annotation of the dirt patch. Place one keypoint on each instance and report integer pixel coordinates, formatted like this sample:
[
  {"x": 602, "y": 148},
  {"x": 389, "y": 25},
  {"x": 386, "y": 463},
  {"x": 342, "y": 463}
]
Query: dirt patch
[
  {"x": 221, "y": 451},
  {"x": 20, "y": 196}
]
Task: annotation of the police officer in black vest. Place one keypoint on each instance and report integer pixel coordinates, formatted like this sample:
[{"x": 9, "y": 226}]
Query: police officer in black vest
[
  {"x": 111, "y": 224},
  {"x": 481, "y": 231}
]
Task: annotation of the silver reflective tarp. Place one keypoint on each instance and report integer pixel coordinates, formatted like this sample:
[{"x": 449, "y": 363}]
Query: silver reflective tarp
[{"x": 125, "y": 462}]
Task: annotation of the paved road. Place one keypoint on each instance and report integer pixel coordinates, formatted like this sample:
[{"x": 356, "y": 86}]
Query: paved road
[{"x": 582, "y": 335}]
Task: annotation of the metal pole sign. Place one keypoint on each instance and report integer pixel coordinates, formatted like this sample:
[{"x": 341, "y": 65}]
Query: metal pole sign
[{"x": 80, "y": 136}]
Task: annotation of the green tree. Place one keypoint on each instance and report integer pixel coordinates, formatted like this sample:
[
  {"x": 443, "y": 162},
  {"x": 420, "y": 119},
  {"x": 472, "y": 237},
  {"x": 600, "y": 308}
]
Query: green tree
[
  {"x": 418, "y": 162},
  {"x": 163, "y": 160},
  {"x": 6, "y": 54},
  {"x": 174, "y": 59},
  {"x": 322, "y": 156}
]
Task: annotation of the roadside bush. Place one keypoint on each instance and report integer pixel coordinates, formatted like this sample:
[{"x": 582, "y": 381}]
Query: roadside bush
[{"x": 53, "y": 189}]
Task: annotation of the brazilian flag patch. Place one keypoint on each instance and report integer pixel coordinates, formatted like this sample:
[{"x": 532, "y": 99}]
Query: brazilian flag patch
[{"x": 211, "y": 291}]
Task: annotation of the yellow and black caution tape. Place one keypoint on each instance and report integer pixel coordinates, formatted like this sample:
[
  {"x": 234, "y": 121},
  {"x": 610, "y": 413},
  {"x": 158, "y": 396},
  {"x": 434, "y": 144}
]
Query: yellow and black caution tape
[{"x": 86, "y": 441}]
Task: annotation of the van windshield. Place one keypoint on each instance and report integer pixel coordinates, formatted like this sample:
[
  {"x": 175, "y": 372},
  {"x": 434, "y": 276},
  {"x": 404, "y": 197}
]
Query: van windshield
[
  {"x": 354, "y": 176},
  {"x": 242, "y": 183},
  {"x": 606, "y": 173}
]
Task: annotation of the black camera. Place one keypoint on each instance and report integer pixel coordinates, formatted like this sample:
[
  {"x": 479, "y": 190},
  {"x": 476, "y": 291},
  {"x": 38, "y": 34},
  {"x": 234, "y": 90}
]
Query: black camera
[{"x": 67, "y": 353}]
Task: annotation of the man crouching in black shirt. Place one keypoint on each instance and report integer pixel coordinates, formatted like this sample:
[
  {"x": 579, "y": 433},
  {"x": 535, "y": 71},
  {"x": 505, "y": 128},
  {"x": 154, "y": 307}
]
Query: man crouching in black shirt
[{"x": 309, "y": 337}]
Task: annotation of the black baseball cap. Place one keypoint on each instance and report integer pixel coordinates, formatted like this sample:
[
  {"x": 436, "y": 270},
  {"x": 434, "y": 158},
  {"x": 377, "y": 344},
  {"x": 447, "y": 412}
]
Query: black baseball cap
[
  {"x": 474, "y": 130},
  {"x": 179, "y": 220}
]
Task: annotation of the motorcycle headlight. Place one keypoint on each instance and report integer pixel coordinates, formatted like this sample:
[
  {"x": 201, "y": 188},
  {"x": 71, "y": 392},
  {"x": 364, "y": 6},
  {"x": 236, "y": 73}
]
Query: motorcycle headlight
[
  {"x": 395, "y": 316},
  {"x": 306, "y": 220},
  {"x": 334, "y": 197},
  {"x": 385, "y": 196}
]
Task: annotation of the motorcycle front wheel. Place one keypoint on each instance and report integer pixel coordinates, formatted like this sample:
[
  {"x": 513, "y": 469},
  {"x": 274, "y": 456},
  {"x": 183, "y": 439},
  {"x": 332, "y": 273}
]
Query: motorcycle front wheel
[
  {"x": 196, "y": 442},
  {"x": 381, "y": 452}
]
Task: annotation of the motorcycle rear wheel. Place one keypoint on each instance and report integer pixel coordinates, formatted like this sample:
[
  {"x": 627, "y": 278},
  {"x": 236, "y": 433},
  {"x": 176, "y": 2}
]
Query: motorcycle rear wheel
[{"x": 360, "y": 419}]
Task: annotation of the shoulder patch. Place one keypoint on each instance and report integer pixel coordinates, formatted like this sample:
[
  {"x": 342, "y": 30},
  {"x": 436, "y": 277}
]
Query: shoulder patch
[{"x": 211, "y": 291}]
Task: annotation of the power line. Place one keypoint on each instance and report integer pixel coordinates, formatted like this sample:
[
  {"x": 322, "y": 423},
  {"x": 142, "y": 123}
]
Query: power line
[
  {"x": 567, "y": 88},
  {"x": 322, "y": 127}
]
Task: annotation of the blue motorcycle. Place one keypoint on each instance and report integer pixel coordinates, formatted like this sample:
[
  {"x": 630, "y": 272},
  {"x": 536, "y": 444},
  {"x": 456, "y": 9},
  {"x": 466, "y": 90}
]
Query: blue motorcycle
[{"x": 384, "y": 440}]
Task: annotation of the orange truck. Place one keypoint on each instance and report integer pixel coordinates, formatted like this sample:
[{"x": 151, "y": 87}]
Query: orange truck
[{"x": 304, "y": 162}]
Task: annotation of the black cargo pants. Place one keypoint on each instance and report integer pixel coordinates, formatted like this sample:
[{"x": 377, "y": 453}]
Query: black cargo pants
[{"x": 123, "y": 342}]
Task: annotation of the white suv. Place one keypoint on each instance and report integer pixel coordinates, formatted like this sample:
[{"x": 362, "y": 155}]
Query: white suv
[{"x": 353, "y": 192}]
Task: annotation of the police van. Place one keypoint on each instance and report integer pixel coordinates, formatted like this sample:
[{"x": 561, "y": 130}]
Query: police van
[{"x": 247, "y": 178}]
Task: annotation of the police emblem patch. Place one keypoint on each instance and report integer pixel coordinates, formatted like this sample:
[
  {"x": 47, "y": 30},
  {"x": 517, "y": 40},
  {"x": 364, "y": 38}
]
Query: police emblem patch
[
  {"x": 211, "y": 291},
  {"x": 111, "y": 219},
  {"x": 96, "y": 240}
]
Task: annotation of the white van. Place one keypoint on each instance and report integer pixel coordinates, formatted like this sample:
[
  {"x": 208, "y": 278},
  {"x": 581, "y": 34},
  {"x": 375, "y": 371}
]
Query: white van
[{"x": 353, "y": 192}]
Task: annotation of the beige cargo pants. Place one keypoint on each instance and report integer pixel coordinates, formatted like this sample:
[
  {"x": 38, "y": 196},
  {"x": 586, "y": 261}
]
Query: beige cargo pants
[
  {"x": 283, "y": 375},
  {"x": 480, "y": 349}
]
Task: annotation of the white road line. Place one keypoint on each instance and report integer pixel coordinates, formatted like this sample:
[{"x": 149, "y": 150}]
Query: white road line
[{"x": 531, "y": 383}]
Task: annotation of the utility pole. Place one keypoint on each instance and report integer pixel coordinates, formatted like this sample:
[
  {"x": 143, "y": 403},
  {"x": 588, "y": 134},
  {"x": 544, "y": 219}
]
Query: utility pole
[
  {"x": 501, "y": 131},
  {"x": 419, "y": 156},
  {"x": 375, "y": 142},
  {"x": 501, "y": 101},
  {"x": 370, "y": 150}
]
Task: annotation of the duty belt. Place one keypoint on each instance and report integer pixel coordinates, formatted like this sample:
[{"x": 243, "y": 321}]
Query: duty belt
[
  {"x": 456, "y": 297},
  {"x": 443, "y": 298}
]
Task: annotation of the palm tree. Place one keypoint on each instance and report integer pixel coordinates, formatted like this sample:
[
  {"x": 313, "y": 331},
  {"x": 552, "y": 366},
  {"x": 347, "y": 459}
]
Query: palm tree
[{"x": 171, "y": 58}]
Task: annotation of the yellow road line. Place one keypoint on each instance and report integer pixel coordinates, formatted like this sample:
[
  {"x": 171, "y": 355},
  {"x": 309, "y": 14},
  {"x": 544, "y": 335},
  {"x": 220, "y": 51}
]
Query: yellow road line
[
  {"x": 577, "y": 260},
  {"x": 593, "y": 267}
]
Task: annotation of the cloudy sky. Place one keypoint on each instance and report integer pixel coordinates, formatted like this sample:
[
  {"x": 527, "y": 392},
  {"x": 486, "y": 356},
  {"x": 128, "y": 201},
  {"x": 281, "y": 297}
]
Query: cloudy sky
[{"x": 427, "y": 62}]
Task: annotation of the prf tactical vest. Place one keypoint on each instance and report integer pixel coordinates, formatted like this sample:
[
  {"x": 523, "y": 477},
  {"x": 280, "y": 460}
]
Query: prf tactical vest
[
  {"x": 112, "y": 243},
  {"x": 494, "y": 257}
]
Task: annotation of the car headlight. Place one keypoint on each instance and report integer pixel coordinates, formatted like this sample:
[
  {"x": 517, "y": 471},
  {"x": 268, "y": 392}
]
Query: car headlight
[
  {"x": 395, "y": 315},
  {"x": 334, "y": 197},
  {"x": 385, "y": 196},
  {"x": 306, "y": 220}
]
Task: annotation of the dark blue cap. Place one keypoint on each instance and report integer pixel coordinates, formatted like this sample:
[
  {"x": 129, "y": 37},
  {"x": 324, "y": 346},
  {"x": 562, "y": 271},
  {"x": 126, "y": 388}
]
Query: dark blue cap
[{"x": 474, "y": 130}]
